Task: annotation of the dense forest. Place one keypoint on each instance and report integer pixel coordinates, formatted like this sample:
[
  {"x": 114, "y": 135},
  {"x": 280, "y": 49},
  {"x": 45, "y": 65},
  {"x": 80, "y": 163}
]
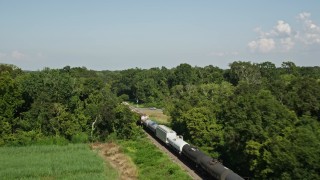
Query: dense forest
[
  {"x": 54, "y": 106},
  {"x": 262, "y": 121}
]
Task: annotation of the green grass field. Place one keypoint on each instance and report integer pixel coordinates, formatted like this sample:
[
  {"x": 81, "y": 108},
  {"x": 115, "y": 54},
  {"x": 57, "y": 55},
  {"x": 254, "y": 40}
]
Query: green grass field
[
  {"x": 73, "y": 161},
  {"x": 151, "y": 162},
  {"x": 156, "y": 115}
]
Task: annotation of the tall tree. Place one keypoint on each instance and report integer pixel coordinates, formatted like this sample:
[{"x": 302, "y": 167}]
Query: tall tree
[
  {"x": 303, "y": 96},
  {"x": 184, "y": 74},
  {"x": 244, "y": 71},
  {"x": 251, "y": 117},
  {"x": 11, "y": 101},
  {"x": 203, "y": 129}
]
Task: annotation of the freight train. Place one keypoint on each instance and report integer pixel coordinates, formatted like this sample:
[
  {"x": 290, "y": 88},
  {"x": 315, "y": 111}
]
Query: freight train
[{"x": 192, "y": 153}]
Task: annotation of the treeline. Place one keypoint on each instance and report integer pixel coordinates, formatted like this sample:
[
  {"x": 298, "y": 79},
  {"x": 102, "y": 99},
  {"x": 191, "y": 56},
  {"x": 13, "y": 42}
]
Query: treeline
[
  {"x": 57, "y": 106},
  {"x": 263, "y": 121}
]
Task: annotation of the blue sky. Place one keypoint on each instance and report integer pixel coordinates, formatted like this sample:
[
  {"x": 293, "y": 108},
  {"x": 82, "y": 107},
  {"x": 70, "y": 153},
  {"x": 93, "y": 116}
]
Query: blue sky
[{"x": 117, "y": 35}]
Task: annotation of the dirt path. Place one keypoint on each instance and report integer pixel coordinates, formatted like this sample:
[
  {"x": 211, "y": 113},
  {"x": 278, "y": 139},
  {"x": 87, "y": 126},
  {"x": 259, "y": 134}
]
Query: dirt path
[{"x": 111, "y": 152}]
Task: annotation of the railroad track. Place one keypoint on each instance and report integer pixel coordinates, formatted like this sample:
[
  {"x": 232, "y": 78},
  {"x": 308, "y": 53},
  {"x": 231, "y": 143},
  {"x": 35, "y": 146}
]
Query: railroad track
[
  {"x": 194, "y": 172},
  {"x": 165, "y": 138}
]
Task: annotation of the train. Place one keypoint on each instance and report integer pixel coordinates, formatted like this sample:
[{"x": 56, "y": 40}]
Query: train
[{"x": 170, "y": 138}]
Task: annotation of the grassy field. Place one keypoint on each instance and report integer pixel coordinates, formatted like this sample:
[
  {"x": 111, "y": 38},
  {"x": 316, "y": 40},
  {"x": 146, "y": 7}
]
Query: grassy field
[
  {"x": 151, "y": 162},
  {"x": 156, "y": 115},
  {"x": 74, "y": 161}
]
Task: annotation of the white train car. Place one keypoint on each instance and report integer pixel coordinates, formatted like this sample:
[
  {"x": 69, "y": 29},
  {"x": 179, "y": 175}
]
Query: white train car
[
  {"x": 146, "y": 122},
  {"x": 163, "y": 133},
  {"x": 144, "y": 117},
  {"x": 152, "y": 125},
  {"x": 177, "y": 143}
]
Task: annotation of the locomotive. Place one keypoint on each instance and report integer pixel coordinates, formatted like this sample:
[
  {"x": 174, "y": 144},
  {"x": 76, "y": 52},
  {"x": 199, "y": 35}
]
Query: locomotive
[{"x": 194, "y": 154}]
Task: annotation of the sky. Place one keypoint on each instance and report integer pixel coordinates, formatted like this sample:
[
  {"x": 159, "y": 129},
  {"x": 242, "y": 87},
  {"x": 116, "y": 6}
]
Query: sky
[{"x": 122, "y": 34}]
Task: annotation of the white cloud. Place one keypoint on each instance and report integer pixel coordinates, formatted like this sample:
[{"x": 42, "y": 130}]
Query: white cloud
[
  {"x": 311, "y": 32},
  {"x": 304, "y": 15},
  {"x": 263, "y": 45},
  {"x": 283, "y": 27},
  {"x": 253, "y": 45},
  {"x": 17, "y": 55},
  {"x": 287, "y": 43},
  {"x": 282, "y": 37},
  {"x": 276, "y": 39}
]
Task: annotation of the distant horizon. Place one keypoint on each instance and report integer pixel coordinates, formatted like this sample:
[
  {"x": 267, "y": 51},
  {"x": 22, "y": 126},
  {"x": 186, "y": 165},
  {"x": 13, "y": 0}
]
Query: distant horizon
[
  {"x": 116, "y": 35},
  {"x": 277, "y": 66}
]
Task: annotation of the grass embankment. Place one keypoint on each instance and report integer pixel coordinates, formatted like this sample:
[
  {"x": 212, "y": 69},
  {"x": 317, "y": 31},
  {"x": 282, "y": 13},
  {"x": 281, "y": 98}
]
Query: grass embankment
[
  {"x": 151, "y": 162},
  {"x": 73, "y": 161},
  {"x": 156, "y": 115}
]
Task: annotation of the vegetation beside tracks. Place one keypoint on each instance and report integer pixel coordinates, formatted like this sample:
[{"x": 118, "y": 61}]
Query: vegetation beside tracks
[
  {"x": 151, "y": 162},
  {"x": 156, "y": 115}
]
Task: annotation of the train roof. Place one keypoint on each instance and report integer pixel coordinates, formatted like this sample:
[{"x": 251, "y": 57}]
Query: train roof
[{"x": 166, "y": 129}]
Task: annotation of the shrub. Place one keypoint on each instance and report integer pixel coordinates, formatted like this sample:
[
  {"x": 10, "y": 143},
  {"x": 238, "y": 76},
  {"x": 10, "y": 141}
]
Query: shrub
[{"x": 80, "y": 138}]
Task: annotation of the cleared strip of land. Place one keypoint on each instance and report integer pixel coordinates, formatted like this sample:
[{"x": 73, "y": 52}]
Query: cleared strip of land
[
  {"x": 183, "y": 163},
  {"x": 112, "y": 153},
  {"x": 155, "y": 114},
  {"x": 151, "y": 162}
]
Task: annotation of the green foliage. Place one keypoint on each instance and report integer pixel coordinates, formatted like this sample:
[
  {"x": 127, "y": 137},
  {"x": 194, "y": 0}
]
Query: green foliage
[
  {"x": 256, "y": 124},
  {"x": 143, "y": 86},
  {"x": 268, "y": 70},
  {"x": 52, "y": 140},
  {"x": 58, "y": 106},
  {"x": 125, "y": 123},
  {"x": 11, "y": 103},
  {"x": 80, "y": 138},
  {"x": 184, "y": 74},
  {"x": 292, "y": 154},
  {"x": 262, "y": 120},
  {"x": 151, "y": 162},
  {"x": 250, "y": 119},
  {"x": 289, "y": 68},
  {"x": 13, "y": 70},
  {"x": 208, "y": 97},
  {"x": 245, "y": 72},
  {"x": 203, "y": 129},
  {"x": 53, "y": 162},
  {"x": 303, "y": 96},
  {"x": 209, "y": 74}
]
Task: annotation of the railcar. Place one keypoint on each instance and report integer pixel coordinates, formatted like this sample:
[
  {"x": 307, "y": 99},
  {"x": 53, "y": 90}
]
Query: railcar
[
  {"x": 152, "y": 126},
  {"x": 144, "y": 117},
  {"x": 146, "y": 122},
  {"x": 208, "y": 164},
  {"x": 163, "y": 133},
  {"x": 193, "y": 153},
  {"x": 177, "y": 143},
  {"x": 233, "y": 176},
  {"x": 217, "y": 170}
]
